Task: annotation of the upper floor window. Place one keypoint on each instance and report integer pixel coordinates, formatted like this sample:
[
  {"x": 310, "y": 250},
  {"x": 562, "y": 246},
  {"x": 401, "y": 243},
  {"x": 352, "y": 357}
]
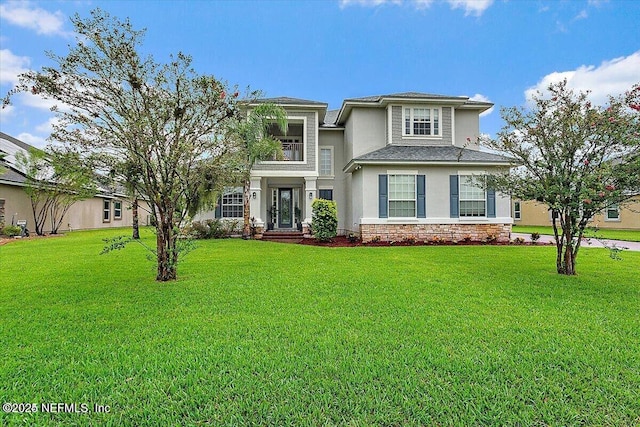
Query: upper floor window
[
  {"x": 473, "y": 199},
  {"x": 325, "y": 167},
  {"x": 421, "y": 121}
]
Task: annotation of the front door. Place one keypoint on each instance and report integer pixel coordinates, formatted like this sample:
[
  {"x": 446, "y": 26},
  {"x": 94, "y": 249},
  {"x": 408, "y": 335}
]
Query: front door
[{"x": 285, "y": 219}]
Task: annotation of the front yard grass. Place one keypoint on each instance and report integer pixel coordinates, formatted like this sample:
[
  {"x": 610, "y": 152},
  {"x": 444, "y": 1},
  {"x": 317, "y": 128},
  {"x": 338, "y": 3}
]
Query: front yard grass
[
  {"x": 258, "y": 333},
  {"x": 604, "y": 233}
]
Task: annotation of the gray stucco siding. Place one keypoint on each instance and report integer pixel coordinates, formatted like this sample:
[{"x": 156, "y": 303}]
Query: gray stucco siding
[
  {"x": 309, "y": 147},
  {"x": 397, "y": 126}
]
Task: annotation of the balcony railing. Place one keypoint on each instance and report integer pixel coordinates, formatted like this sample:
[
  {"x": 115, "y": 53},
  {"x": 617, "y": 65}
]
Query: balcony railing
[{"x": 293, "y": 151}]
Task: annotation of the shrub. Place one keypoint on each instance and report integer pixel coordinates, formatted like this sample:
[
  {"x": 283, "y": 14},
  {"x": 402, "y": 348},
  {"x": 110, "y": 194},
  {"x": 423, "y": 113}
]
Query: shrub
[
  {"x": 535, "y": 237},
  {"x": 324, "y": 219},
  {"x": 11, "y": 230}
]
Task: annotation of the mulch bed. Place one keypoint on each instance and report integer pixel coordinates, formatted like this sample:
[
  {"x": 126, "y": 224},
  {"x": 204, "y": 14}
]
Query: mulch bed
[
  {"x": 4, "y": 239},
  {"x": 343, "y": 241}
]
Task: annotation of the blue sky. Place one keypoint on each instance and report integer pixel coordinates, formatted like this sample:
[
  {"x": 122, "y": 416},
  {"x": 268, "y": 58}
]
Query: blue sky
[{"x": 330, "y": 50}]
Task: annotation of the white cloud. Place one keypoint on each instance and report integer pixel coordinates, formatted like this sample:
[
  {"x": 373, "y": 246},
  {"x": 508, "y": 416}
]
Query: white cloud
[
  {"x": 47, "y": 127},
  {"x": 612, "y": 77},
  {"x": 23, "y": 14},
  {"x": 7, "y": 113},
  {"x": 12, "y": 65},
  {"x": 582, "y": 15},
  {"x": 481, "y": 98},
  {"x": 36, "y": 141},
  {"x": 470, "y": 7}
]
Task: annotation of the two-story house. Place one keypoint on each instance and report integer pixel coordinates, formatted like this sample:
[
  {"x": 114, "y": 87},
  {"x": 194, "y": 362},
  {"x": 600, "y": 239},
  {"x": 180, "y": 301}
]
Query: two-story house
[{"x": 398, "y": 166}]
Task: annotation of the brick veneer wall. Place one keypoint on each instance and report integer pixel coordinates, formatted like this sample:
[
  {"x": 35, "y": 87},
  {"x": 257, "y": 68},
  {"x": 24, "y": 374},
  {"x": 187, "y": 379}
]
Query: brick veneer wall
[{"x": 429, "y": 232}]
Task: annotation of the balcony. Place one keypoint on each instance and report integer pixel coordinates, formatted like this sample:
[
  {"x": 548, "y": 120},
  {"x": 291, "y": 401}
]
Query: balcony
[{"x": 293, "y": 151}]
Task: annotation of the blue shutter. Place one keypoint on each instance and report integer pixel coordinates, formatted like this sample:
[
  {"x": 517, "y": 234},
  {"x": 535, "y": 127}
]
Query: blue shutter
[
  {"x": 453, "y": 196},
  {"x": 491, "y": 203},
  {"x": 422, "y": 212},
  {"x": 218, "y": 212},
  {"x": 383, "y": 197}
]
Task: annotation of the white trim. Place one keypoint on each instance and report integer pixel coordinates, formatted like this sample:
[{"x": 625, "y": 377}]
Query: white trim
[
  {"x": 332, "y": 173},
  {"x": 431, "y": 109},
  {"x": 401, "y": 172},
  {"x": 283, "y": 173},
  {"x": 317, "y": 120},
  {"x": 390, "y": 123},
  {"x": 453, "y": 126}
]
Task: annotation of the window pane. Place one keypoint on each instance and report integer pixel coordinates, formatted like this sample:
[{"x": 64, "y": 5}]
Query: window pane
[
  {"x": 232, "y": 205},
  {"x": 436, "y": 122},
  {"x": 402, "y": 196},
  {"x": 612, "y": 212},
  {"x": 325, "y": 162},
  {"x": 421, "y": 121},
  {"x": 407, "y": 121},
  {"x": 402, "y": 209},
  {"x": 325, "y": 194}
]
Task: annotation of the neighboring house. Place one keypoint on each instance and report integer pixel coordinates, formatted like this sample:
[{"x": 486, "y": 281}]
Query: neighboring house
[
  {"x": 106, "y": 209},
  {"x": 398, "y": 167},
  {"x": 626, "y": 216}
]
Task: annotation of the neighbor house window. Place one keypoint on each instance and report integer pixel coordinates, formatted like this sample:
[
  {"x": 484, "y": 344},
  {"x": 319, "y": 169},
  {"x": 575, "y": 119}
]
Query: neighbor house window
[
  {"x": 613, "y": 213},
  {"x": 421, "y": 121},
  {"x": 326, "y": 194},
  {"x": 326, "y": 162},
  {"x": 232, "y": 204},
  {"x": 473, "y": 200},
  {"x": 106, "y": 211},
  {"x": 402, "y": 196},
  {"x": 516, "y": 211},
  {"x": 117, "y": 209}
]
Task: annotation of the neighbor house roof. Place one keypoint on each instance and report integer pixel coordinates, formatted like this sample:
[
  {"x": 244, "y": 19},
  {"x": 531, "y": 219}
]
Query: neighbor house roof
[
  {"x": 413, "y": 154},
  {"x": 408, "y": 98}
]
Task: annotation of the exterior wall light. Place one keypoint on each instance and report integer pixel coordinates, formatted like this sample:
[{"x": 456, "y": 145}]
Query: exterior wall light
[
  {"x": 310, "y": 195},
  {"x": 254, "y": 195}
]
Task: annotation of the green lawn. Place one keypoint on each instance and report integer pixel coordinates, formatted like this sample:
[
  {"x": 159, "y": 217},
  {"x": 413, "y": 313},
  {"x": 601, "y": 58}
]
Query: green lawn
[
  {"x": 605, "y": 233},
  {"x": 258, "y": 333}
]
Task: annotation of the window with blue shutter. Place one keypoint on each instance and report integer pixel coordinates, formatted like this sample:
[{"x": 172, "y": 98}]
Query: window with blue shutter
[
  {"x": 491, "y": 203},
  {"x": 453, "y": 196},
  {"x": 421, "y": 196},
  {"x": 383, "y": 197}
]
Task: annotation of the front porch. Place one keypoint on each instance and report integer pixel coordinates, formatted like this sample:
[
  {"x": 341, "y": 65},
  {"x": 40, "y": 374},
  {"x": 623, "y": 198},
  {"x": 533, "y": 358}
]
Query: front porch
[{"x": 282, "y": 204}]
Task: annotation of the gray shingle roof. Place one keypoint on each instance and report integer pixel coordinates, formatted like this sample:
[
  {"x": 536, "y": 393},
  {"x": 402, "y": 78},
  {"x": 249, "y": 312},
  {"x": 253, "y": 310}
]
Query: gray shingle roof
[
  {"x": 12, "y": 175},
  {"x": 285, "y": 100},
  {"x": 406, "y": 95},
  {"x": 330, "y": 118},
  {"x": 405, "y": 153}
]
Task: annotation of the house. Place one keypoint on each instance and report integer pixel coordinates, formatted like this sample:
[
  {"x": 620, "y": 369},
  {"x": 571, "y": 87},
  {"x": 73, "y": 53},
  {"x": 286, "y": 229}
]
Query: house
[
  {"x": 625, "y": 216},
  {"x": 106, "y": 209},
  {"x": 399, "y": 166}
]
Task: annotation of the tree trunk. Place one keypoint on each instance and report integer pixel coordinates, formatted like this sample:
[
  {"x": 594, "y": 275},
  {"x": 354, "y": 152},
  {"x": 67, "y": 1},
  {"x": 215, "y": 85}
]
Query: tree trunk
[
  {"x": 134, "y": 213},
  {"x": 166, "y": 248},
  {"x": 246, "y": 230}
]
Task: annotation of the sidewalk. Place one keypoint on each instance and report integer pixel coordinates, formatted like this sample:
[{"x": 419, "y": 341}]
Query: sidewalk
[{"x": 586, "y": 243}]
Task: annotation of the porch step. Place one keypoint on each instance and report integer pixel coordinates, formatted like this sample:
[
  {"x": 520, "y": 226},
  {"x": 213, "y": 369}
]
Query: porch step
[{"x": 282, "y": 235}]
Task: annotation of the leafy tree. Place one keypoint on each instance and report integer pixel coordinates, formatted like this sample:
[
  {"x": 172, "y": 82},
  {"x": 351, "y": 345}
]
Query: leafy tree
[
  {"x": 165, "y": 119},
  {"x": 575, "y": 157},
  {"x": 55, "y": 181},
  {"x": 254, "y": 143}
]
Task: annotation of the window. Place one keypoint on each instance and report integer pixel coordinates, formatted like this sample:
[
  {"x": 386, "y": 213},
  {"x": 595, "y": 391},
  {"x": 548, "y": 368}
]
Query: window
[
  {"x": 232, "y": 204},
  {"x": 516, "y": 211},
  {"x": 402, "y": 196},
  {"x": 326, "y": 163},
  {"x": 421, "y": 122},
  {"x": 613, "y": 213},
  {"x": 106, "y": 211},
  {"x": 117, "y": 209},
  {"x": 473, "y": 199},
  {"x": 326, "y": 194}
]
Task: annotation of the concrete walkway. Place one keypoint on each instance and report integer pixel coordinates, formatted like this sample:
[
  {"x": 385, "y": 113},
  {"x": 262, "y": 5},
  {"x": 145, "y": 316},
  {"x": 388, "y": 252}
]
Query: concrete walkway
[{"x": 586, "y": 243}]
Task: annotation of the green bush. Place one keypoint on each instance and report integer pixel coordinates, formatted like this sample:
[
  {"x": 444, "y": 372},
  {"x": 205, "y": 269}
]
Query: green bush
[
  {"x": 11, "y": 230},
  {"x": 324, "y": 219},
  {"x": 212, "y": 228}
]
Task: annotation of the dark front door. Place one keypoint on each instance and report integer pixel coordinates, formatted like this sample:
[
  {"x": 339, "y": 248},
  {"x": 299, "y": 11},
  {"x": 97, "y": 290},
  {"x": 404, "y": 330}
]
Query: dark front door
[{"x": 285, "y": 219}]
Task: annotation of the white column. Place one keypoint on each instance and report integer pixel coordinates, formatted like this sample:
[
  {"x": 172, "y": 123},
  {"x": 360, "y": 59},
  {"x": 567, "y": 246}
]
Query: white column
[
  {"x": 255, "y": 188},
  {"x": 310, "y": 193}
]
